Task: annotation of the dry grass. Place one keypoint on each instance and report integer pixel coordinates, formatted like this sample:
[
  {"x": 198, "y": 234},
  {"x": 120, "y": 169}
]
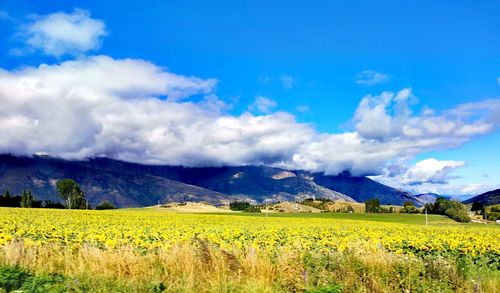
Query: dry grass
[{"x": 201, "y": 267}]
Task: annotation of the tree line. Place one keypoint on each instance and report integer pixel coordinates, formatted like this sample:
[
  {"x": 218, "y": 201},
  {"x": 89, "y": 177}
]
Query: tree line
[
  {"x": 442, "y": 206},
  {"x": 68, "y": 190}
]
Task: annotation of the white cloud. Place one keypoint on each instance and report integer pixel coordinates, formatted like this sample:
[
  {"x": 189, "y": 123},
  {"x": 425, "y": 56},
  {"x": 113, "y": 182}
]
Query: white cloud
[
  {"x": 99, "y": 106},
  {"x": 263, "y": 105},
  {"x": 430, "y": 171},
  {"x": 389, "y": 116},
  {"x": 370, "y": 77},
  {"x": 60, "y": 33},
  {"x": 430, "y": 176},
  {"x": 287, "y": 81}
]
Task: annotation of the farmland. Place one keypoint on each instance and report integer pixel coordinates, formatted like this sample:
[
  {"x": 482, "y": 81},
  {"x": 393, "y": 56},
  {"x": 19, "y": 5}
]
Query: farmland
[{"x": 141, "y": 250}]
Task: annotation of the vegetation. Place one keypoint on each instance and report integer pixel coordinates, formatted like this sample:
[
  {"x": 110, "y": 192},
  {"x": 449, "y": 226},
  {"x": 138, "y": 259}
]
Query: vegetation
[
  {"x": 492, "y": 214},
  {"x": 105, "y": 205},
  {"x": 146, "y": 250},
  {"x": 410, "y": 208},
  {"x": 243, "y": 206},
  {"x": 27, "y": 199},
  {"x": 71, "y": 193},
  {"x": 450, "y": 208},
  {"x": 372, "y": 206},
  {"x": 477, "y": 206}
]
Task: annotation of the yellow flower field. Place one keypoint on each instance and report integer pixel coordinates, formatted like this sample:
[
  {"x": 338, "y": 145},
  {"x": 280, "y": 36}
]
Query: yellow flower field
[{"x": 149, "y": 232}]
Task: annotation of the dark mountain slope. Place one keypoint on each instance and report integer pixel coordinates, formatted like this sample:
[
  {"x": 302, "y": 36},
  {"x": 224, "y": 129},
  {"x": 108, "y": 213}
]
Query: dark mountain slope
[
  {"x": 125, "y": 189},
  {"x": 128, "y": 184},
  {"x": 487, "y": 198}
]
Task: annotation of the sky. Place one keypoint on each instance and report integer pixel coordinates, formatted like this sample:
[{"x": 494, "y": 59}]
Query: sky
[{"x": 407, "y": 92}]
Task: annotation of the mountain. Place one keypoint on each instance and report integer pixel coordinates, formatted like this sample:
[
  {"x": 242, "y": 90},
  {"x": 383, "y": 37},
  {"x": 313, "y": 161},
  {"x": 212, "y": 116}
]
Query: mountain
[
  {"x": 363, "y": 188},
  {"x": 129, "y": 184},
  {"x": 487, "y": 198},
  {"x": 425, "y": 198},
  {"x": 125, "y": 189}
]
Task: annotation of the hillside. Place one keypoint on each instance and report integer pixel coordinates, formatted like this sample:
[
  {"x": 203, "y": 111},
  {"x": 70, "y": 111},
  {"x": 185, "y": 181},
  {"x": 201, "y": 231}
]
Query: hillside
[
  {"x": 487, "y": 198},
  {"x": 129, "y": 185},
  {"x": 363, "y": 188}
]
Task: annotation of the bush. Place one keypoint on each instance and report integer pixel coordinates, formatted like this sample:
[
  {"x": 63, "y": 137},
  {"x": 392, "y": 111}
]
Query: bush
[
  {"x": 105, "y": 205},
  {"x": 409, "y": 208},
  {"x": 15, "y": 279},
  {"x": 239, "y": 205},
  {"x": 459, "y": 215},
  {"x": 493, "y": 216}
]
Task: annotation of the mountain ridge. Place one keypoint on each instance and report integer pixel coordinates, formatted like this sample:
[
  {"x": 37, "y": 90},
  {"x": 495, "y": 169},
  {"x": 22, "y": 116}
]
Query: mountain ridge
[
  {"x": 491, "y": 197},
  {"x": 130, "y": 184}
]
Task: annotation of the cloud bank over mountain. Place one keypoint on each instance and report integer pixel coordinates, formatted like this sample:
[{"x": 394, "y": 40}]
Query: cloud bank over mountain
[{"x": 134, "y": 110}]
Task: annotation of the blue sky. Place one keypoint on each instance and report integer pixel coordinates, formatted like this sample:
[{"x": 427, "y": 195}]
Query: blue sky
[{"x": 306, "y": 56}]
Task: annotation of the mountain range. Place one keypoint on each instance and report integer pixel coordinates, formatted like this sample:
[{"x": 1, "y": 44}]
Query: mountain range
[
  {"x": 129, "y": 184},
  {"x": 487, "y": 198}
]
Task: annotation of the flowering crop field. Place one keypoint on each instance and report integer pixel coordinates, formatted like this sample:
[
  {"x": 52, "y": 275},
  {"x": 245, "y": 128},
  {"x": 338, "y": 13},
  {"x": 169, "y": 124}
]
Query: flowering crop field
[{"x": 146, "y": 250}]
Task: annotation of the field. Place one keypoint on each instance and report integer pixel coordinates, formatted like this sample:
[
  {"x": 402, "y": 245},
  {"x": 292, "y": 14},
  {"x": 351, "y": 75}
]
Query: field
[{"x": 141, "y": 250}]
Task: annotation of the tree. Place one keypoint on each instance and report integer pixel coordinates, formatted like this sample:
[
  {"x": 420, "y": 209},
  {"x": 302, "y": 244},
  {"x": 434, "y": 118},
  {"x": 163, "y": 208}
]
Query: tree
[
  {"x": 409, "y": 207},
  {"x": 373, "y": 205},
  {"x": 26, "y": 199},
  {"x": 105, "y": 205},
  {"x": 477, "y": 206},
  {"x": 71, "y": 193}
]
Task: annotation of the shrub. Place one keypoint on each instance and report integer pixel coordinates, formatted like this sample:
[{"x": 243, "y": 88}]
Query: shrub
[
  {"x": 409, "y": 208},
  {"x": 105, "y": 205},
  {"x": 493, "y": 216}
]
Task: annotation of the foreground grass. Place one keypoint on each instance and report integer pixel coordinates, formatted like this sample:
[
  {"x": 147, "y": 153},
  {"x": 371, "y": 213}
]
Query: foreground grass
[{"x": 148, "y": 251}]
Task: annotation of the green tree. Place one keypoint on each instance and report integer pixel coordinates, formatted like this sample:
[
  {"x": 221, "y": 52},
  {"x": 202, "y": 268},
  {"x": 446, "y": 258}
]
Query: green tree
[
  {"x": 26, "y": 199},
  {"x": 239, "y": 205},
  {"x": 476, "y": 206},
  {"x": 373, "y": 205},
  {"x": 409, "y": 207},
  {"x": 71, "y": 193}
]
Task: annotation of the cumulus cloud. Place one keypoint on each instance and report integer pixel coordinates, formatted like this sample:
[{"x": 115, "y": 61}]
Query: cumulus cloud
[
  {"x": 370, "y": 77},
  {"x": 133, "y": 110},
  {"x": 430, "y": 171},
  {"x": 263, "y": 105},
  {"x": 60, "y": 33},
  {"x": 430, "y": 176},
  {"x": 388, "y": 116},
  {"x": 287, "y": 81}
]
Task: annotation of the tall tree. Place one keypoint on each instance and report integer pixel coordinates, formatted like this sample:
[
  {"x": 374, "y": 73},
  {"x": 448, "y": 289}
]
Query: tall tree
[
  {"x": 71, "y": 193},
  {"x": 26, "y": 199}
]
